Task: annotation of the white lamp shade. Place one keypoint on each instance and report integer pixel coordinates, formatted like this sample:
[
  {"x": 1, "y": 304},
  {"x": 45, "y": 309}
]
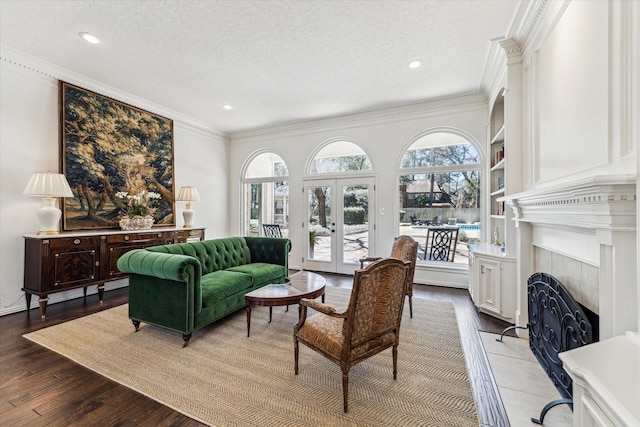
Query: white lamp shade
[
  {"x": 48, "y": 184},
  {"x": 188, "y": 194}
]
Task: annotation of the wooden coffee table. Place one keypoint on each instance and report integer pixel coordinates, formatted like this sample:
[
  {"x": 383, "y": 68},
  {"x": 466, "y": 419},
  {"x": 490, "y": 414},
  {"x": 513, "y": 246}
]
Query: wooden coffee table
[{"x": 303, "y": 284}]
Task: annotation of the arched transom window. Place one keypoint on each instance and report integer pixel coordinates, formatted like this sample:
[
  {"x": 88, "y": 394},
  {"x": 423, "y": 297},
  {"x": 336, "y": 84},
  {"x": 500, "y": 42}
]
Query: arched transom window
[{"x": 340, "y": 156}]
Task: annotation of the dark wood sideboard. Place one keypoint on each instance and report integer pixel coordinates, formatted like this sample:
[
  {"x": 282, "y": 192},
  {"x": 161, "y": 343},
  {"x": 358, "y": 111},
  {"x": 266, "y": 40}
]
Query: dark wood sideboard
[{"x": 70, "y": 260}]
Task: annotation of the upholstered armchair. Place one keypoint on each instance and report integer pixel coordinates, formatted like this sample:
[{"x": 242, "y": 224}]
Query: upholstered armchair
[
  {"x": 406, "y": 249},
  {"x": 369, "y": 325}
]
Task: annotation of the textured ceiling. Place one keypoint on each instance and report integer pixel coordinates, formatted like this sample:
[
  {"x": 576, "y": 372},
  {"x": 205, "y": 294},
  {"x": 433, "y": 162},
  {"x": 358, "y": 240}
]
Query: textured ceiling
[{"x": 275, "y": 61}]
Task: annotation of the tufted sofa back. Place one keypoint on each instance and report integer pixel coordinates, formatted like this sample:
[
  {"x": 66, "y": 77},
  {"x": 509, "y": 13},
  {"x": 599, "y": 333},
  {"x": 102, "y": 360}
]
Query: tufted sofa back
[{"x": 213, "y": 255}]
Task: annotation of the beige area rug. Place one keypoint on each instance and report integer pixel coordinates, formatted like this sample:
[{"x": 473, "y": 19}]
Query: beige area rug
[{"x": 224, "y": 378}]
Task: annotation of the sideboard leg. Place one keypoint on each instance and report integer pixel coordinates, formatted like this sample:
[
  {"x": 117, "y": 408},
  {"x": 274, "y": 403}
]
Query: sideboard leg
[
  {"x": 43, "y": 306},
  {"x": 27, "y": 296},
  {"x": 100, "y": 292}
]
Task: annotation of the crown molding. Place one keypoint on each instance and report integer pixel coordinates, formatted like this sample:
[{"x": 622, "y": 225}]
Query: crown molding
[
  {"x": 461, "y": 103},
  {"x": 30, "y": 66}
]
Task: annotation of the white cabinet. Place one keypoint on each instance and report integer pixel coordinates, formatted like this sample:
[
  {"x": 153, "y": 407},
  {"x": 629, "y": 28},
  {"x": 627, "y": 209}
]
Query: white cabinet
[
  {"x": 492, "y": 277},
  {"x": 606, "y": 378}
]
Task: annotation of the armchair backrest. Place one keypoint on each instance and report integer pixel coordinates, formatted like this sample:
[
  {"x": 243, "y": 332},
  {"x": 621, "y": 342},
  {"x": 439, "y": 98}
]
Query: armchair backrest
[
  {"x": 375, "y": 306},
  {"x": 405, "y": 249}
]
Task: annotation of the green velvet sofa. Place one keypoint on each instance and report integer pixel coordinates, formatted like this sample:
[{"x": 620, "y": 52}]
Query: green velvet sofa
[{"x": 186, "y": 286}]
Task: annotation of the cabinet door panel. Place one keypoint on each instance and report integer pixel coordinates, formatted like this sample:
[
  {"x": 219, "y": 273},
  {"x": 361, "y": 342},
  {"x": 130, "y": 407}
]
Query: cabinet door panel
[
  {"x": 490, "y": 285},
  {"x": 73, "y": 267}
]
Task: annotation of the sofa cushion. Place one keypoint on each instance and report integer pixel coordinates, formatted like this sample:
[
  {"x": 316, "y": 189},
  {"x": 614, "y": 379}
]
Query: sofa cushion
[
  {"x": 262, "y": 272},
  {"x": 221, "y": 284}
]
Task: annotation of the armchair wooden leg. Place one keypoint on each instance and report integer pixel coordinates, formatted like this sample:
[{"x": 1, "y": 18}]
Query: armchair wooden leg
[
  {"x": 394, "y": 351},
  {"x": 345, "y": 390},
  {"x": 295, "y": 355},
  {"x": 410, "y": 306}
]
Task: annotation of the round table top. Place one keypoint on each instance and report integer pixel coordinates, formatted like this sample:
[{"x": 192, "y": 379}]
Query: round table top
[{"x": 303, "y": 284}]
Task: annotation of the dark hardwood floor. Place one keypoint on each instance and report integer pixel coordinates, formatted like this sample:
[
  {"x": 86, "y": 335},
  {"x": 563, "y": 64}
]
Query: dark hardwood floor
[{"x": 40, "y": 388}]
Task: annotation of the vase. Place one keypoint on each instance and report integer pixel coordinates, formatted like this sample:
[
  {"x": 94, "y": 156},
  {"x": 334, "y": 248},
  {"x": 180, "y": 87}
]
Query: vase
[{"x": 136, "y": 223}]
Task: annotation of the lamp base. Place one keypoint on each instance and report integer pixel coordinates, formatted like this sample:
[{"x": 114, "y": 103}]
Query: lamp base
[
  {"x": 49, "y": 216},
  {"x": 188, "y": 215}
]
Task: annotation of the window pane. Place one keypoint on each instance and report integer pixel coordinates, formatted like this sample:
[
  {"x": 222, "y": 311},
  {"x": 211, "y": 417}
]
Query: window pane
[
  {"x": 440, "y": 156},
  {"x": 441, "y": 199},
  {"x": 266, "y": 203},
  {"x": 267, "y": 165},
  {"x": 355, "y": 220},
  {"x": 320, "y": 220},
  {"x": 342, "y": 156}
]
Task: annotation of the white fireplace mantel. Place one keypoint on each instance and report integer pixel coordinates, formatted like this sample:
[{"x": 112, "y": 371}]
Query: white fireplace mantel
[
  {"x": 605, "y": 206},
  {"x": 600, "y": 202}
]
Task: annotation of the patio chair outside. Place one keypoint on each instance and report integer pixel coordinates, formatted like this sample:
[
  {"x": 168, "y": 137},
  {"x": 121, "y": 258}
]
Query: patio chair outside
[
  {"x": 272, "y": 230},
  {"x": 440, "y": 244}
]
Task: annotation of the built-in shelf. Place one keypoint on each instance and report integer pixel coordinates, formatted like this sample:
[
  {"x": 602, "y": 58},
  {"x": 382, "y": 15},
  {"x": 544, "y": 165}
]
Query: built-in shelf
[
  {"x": 498, "y": 192},
  {"x": 497, "y": 166},
  {"x": 498, "y": 216},
  {"x": 499, "y": 136}
]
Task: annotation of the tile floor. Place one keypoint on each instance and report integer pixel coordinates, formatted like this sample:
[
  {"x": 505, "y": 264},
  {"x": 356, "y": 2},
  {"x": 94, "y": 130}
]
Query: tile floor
[{"x": 523, "y": 385}]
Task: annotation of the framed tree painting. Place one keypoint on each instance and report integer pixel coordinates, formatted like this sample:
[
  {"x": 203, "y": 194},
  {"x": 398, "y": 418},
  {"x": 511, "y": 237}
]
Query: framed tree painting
[{"x": 112, "y": 154}]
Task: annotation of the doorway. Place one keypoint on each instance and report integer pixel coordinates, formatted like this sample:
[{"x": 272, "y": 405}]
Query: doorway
[{"x": 339, "y": 229}]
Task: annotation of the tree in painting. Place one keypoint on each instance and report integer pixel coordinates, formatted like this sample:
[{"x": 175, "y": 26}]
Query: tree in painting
[{"x": 110, "y": 147}]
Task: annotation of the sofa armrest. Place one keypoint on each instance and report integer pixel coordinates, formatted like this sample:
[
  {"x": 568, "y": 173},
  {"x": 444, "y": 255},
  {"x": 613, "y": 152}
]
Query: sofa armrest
[
  {"x": 269, "y": 250},
  {"x": 161, "y": 265}
]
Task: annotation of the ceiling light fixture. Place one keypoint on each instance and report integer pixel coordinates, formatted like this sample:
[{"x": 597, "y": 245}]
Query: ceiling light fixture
[
  {"x": 415, "y": 64},
  {"x": 90, "y": 38},
  {"x": 227, "y": 107}
]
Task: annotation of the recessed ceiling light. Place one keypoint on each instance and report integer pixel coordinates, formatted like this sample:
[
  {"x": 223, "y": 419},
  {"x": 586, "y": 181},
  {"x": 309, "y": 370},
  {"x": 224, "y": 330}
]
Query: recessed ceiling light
[
  {"x": 415, "y": 63},
  {"x": 227, "y": 107},
  {"x": 89, "y": 37}
]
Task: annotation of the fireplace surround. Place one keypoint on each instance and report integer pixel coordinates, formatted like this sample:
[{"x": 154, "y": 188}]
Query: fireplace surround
[{"x": 584, "y": 233}]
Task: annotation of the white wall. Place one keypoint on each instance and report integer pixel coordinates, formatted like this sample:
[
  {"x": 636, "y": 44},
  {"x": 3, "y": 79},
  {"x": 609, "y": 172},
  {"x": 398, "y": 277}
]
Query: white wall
[
  {"x": 383, "y": 135},
  {"x": 580, "y": 103},
  {"x": 29, "y": 143},
  {"x": 579, "y": 80}
]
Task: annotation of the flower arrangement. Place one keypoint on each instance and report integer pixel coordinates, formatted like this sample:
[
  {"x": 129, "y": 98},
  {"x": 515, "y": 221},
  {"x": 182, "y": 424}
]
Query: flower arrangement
[{"x": 139, "y": 209}]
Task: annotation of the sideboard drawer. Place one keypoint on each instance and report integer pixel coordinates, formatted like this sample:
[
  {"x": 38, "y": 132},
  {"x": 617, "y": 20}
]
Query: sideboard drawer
[{"x": 119, "y": 244}]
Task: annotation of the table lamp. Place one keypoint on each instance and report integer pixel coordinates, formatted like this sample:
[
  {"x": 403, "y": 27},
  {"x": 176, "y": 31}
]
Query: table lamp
[
  {"x": 188, "y": 194},
  {"x": 49, "y": 186}
]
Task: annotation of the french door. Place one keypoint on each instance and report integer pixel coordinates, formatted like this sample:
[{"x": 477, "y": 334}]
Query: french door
[{"x": 339, "y": 226}]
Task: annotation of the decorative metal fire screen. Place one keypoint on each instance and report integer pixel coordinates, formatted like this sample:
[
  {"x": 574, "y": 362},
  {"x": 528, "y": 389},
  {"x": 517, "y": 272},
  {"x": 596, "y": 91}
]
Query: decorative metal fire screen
[{"x": 557, "y": 323}]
